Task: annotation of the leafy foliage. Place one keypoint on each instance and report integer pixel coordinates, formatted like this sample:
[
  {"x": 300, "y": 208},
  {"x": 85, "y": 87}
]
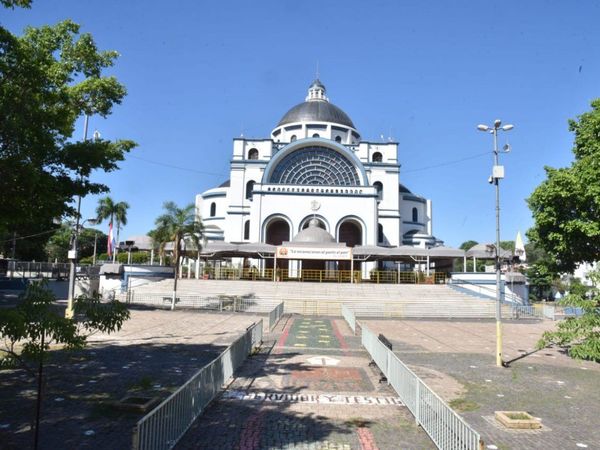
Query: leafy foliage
[
  {"x": 114, "y": 211},
  {"x": 182, "y": 227},
  {"x": 566, "y": 206},
  {"x": 60, "y": 242},
  {"x": 35, "y": 324},
  {"x": 467, "y": 245},
  {"x": 49, "y": 77},
  {"x": 580, "y": 335},
  {"x": 13, "y": 3}
]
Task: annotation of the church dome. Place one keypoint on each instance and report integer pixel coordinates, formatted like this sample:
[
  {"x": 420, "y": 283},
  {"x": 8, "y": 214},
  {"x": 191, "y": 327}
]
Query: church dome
[
  {"x": 313, "y": 234},
  {"x": 316, "y": 108}
]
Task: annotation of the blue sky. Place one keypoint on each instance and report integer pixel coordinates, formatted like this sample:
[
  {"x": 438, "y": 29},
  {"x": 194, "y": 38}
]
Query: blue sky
[{"x": 425, "y": 73}]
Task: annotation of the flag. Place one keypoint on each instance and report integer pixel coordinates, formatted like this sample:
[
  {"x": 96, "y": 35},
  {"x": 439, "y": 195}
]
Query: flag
[
  {"x": 520, "y": 248},
  {"x": 111, "y": 240}
]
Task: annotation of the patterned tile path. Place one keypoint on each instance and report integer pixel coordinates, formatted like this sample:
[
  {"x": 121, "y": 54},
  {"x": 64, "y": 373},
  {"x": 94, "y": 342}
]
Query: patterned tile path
[{"x": 310, "y": 388}]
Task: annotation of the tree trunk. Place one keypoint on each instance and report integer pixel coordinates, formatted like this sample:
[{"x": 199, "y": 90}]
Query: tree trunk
[
  {"x": 176, "y": 258},
  {"x": 117, "y": 245},
  {"x": 38, "y": 404}
]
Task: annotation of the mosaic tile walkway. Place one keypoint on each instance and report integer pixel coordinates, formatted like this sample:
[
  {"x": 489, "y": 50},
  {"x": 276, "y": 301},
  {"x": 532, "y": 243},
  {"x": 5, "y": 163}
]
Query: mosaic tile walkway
[{"x": 310, "y": 388}]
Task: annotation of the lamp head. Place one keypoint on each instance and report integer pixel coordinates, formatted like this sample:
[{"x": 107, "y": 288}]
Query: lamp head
[
  {"x": 497, "y": 123},
  {"x": 92, "y": 221},
  {"x": 508, "y": 127},
  {"x": 483, "y": 127}
]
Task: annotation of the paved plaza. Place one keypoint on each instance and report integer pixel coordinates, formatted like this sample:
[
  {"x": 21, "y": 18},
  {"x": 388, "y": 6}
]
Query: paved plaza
[
  {"x": 456, "y": 359},
  {"x": 310, "y": 388},
  {"x": 154, "y": 353}
]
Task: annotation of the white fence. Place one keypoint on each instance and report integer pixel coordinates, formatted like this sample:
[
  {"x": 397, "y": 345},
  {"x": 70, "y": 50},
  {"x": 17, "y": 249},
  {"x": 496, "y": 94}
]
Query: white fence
[
  {"x": 164, "y": 426},
  {"x": 232, "y": 303},
  {"x": 275, "y": 315},
  {"x": 445, "y": 428},
  {"x": 348, "y": 314}
]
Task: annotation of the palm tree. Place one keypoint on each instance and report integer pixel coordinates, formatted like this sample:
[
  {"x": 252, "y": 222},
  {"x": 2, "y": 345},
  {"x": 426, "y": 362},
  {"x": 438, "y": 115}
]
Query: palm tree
[
  {"x": 182, "y": 227},
  {"x": 108, "y": 209}
]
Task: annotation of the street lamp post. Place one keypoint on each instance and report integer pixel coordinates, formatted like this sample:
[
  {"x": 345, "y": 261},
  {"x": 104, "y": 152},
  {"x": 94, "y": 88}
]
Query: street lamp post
[
  {"x": 73, "y": 268},
  {"x": 497, "y": 175}
]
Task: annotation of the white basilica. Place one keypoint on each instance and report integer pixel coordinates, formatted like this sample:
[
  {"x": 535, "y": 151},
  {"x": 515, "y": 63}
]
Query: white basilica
[{"x": 315, "y": 166}]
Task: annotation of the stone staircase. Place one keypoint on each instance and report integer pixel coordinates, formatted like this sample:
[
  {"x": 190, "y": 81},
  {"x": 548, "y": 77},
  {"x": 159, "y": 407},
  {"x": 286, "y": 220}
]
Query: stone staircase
[{"x": 367, "y": 300}]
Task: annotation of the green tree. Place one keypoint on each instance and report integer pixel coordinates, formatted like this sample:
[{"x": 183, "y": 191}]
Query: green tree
[
  {"x": 566, "y": 210},
  {"x": 109, "y": 209},
  {"x": 60, "y": 243},
  {"x": 50, "y": 76},
  {"x": 566, "y": 206},
  {"x": 467, "y": 245},
  {"x": 181, "y": 227},
  {"x": 541, "y": 280},
  {"x": 35, "y": 324},
  {"x": 580, "y": 335}
]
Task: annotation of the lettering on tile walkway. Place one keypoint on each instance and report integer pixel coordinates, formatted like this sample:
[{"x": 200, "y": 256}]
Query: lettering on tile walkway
[{"x": 321, "y": 399}]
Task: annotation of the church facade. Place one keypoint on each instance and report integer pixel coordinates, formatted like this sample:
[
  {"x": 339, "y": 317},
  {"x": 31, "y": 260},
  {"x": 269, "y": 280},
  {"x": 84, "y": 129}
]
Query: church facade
[{"x": 315, "y": 165}]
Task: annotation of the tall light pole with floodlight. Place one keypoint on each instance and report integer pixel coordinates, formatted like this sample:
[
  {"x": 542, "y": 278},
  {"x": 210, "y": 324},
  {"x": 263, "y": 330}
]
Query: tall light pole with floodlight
[{"x": 497, "y": 175}]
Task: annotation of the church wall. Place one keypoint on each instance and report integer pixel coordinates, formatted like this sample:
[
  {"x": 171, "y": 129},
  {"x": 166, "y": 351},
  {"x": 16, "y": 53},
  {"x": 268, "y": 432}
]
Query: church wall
[{"x": 295, "y": 208}]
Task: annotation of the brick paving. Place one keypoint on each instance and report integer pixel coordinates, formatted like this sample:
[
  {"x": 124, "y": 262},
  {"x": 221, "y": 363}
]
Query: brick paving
[
  {"x": 343, "y": 407},
  {"x": 456, "y": 358},
  {"x": 154, "y": 353}
]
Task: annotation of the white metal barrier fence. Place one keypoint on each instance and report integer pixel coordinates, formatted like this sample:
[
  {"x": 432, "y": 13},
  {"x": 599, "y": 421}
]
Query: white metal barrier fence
[
  {"x": 348, "y": 314},
  {"x": 446, "y": 429},
  {"x": 164, "y": 426},
  {"x": 525, "y": 312},
  {"x": 275, "y": 315},
  {"x": 232, "y": 303}
]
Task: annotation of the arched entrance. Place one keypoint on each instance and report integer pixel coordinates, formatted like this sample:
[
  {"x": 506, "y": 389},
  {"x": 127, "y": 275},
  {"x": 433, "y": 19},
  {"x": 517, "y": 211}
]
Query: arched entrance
[
  {"x": 350, "y": 232},
  {"x": 276, "y": 232}
]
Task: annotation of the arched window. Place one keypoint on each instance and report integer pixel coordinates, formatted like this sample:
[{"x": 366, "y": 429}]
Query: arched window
[
  {"x": 379, "y": 233},
  {"x": 293, "y": 138},
  {"x": 377, "y": 157},
  {"x": 252, "y": 153},
  {"x": 249, "y": 189},
  {"x": 377, "y": 185},
  {"x": 315, "y": 165},
  {"x": 338, "y": 139},
  {"x": 213, "y": 209},
  {"x": 316, "y": 135},
  {"x": 415, "y": 215},
  {"x": 247, "y": 230}
]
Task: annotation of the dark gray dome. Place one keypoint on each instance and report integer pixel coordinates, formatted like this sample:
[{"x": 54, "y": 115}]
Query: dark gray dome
[{"x": 316, "y": 111}]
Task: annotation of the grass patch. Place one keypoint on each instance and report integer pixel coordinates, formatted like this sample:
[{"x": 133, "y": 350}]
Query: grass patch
[
  {"x": 143, "y": 384},
  {"x": 463, "y": 405}
]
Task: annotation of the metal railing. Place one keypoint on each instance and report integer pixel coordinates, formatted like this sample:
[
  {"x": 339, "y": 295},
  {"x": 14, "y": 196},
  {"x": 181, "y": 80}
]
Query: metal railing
[
  {"x": 323, "y": 276},
  {"x": 445, "y": 428},
  {"x": 230, "y": 303},
  {"x": 165, "y": 425},
  {"x": 275, "y": 315},
  {"x": 349, "y": 316},
  {"x": 28, "y": 269}
]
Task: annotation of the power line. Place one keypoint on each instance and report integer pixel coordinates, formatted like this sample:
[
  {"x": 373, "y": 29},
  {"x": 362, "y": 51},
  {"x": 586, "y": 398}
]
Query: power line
[
  {"x": 30, "y": 236},
  {"x": 447, "y": 163},
  {"x": 172, "y": 166}
]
